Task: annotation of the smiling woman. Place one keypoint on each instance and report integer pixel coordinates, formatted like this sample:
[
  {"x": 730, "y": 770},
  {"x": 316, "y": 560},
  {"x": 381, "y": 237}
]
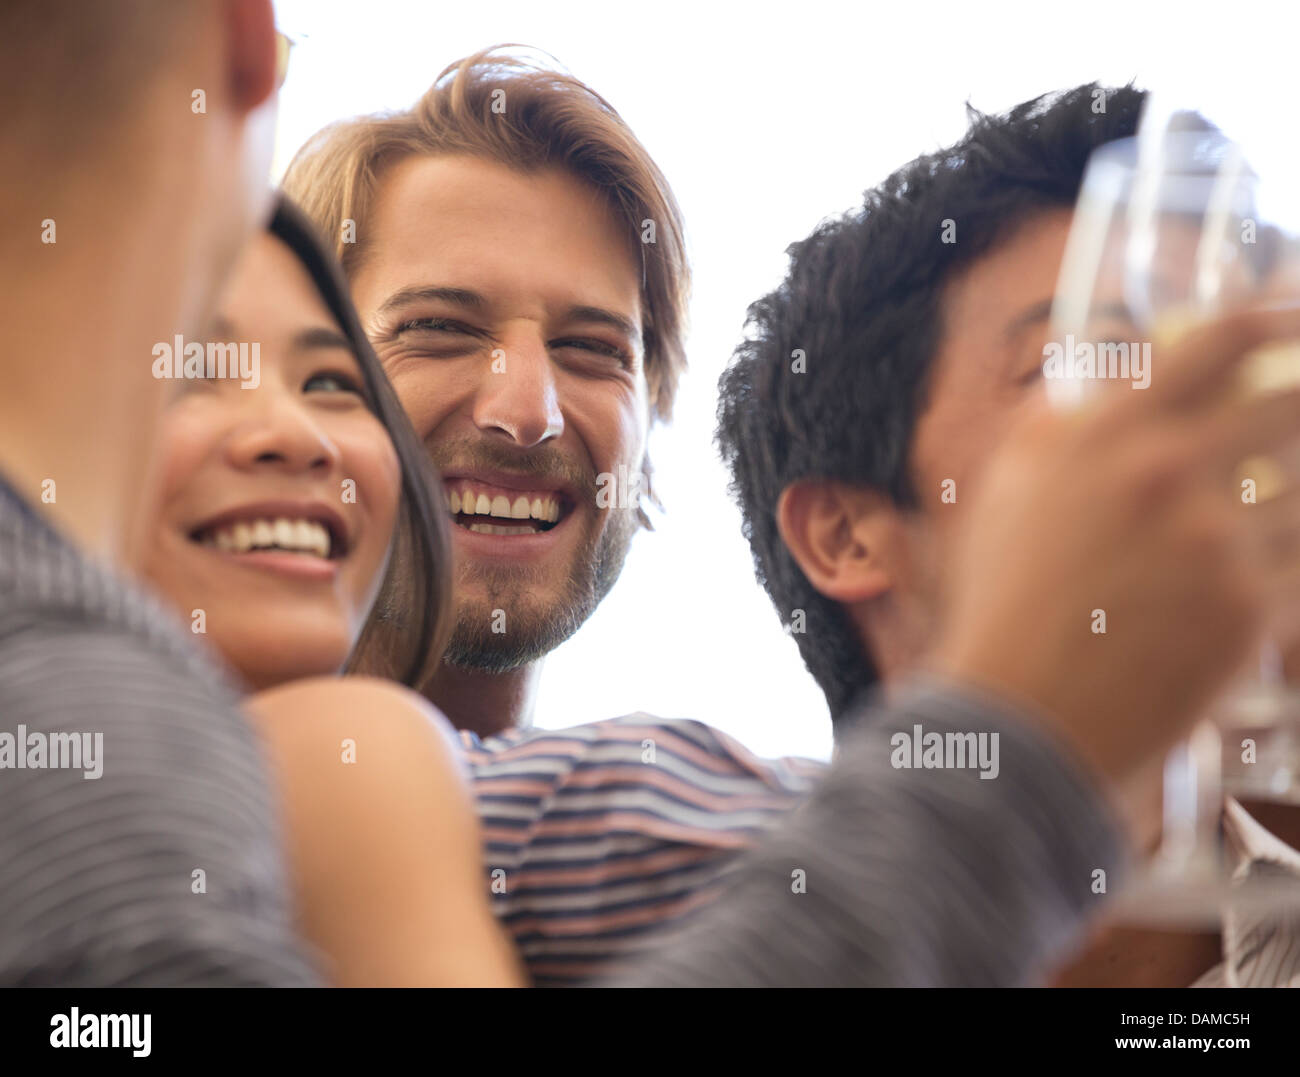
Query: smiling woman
[
  {"x": 284, "y": 510},
  {"x": 312, "y": 476},
  {"x": 256, "y": 530}
]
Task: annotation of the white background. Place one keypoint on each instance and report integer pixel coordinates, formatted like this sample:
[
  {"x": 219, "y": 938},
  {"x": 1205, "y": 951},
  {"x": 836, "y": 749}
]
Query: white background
[{"x": 765, "y": 118}]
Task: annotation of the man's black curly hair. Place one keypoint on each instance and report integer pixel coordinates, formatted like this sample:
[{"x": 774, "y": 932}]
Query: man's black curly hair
[{"x": 862, "y": 301}]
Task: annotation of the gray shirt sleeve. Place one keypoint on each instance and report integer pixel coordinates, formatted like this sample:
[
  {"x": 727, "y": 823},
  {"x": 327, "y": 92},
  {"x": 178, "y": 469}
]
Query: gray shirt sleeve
[
  {"x": 894, "y": 876},
  {"x": 166, "y": 869}
]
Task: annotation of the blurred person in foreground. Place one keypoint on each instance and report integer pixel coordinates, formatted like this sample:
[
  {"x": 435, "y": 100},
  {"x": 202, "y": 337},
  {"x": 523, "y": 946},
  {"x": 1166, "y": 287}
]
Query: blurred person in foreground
[
  {"x": 134, "y": 153},
  {"x": 855, "y": 476}
]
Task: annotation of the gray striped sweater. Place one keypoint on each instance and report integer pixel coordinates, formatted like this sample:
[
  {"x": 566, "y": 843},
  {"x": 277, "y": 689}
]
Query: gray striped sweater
[{"x": 164, "y": 870}]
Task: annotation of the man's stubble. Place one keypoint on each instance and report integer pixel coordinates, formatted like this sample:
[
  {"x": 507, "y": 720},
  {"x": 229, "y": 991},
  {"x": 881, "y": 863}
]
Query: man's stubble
[{"x": 529, "y": 629}]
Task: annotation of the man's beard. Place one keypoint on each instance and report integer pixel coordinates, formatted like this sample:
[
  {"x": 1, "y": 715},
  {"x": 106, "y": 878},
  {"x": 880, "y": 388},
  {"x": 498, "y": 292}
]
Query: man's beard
[{"x": 533, "y": 629}]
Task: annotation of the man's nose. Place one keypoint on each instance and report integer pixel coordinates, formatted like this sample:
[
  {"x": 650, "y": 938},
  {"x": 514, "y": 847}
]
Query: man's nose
[{"x": 517, "y": 393}]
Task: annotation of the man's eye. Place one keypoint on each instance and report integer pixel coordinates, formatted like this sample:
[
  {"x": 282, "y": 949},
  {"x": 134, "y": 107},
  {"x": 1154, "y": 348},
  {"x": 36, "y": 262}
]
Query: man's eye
[
  {"x": 600, "y": 347},
  {"x": 329, "y": 381},
  {"x": 440, "y": 325}
]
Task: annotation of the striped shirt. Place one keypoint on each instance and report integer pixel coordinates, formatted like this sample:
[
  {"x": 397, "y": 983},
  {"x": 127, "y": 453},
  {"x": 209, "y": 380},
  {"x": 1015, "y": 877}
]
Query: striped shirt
[
  {"x": 165, "y": 869},
  {"x": 893, "y": 877},
  {"x": 602, "y": 839}
]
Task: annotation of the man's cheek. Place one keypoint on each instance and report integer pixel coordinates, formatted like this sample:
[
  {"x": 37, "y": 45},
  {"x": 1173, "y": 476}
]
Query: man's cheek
[
  {"x": 418, "y": 402},
  {"x": 619, "y": 467}
]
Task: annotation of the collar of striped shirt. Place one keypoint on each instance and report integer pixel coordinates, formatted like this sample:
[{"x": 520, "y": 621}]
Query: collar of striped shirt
[{"x": 1258, "y": 950}]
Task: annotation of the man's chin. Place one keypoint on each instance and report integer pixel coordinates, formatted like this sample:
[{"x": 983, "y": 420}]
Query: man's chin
[
  {"x": 491, "y": 642},
  {"x": 510, "y": 619},
  {"x": 510, "y": 615}
]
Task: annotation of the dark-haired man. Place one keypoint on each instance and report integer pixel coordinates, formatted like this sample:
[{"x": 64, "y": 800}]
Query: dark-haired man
[{"x": 924, "y": 317}]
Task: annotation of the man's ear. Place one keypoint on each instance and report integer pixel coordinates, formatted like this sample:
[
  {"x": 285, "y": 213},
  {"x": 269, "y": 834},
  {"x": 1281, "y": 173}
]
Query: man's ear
[
  {"x": 841, "y": 536},
  {"x": 251, "y": 51}
]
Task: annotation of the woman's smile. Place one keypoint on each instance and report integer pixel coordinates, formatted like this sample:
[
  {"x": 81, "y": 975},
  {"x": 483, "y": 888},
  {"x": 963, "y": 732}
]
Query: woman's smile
[{"x": 301, "y": 540}]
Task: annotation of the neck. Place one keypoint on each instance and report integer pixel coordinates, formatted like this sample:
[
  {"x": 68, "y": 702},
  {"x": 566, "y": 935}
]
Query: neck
[
  {"x": 80, "y": 316},
  {"x": 80, "y": 410},
  {"x": 485, "y": 703},
  {"x": 894, "y": 632}
]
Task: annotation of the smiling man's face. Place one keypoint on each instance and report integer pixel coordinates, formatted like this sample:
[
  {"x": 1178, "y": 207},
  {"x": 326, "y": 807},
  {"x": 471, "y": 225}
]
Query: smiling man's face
[{"x": 506, "y": 309}]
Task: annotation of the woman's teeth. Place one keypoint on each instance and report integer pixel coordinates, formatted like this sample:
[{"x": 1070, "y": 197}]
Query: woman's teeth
[{"x": 295, "y": 536}]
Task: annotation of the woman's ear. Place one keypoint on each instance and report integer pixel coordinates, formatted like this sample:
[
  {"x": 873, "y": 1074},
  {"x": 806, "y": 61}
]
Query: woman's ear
[{"x": 841, "y": 536}]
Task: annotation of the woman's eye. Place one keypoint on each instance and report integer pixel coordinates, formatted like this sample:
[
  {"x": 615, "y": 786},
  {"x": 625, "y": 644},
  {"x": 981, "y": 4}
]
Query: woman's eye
[{"x": 330, "y": 382}]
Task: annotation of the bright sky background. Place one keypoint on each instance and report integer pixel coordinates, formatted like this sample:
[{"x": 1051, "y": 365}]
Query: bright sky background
[{"x": 766, "y": 118}]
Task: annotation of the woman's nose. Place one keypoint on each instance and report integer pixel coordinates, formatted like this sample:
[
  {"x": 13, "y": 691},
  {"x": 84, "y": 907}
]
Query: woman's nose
[{"x": 282, "y": 435}]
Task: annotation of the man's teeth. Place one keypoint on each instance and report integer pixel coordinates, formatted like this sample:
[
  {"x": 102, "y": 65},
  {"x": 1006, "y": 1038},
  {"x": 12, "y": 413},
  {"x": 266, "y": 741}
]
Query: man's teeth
[
  {"x": 300, "y": 536},
  {"x": 546, "y": 509},
  {"x": 494, "y": 529}
]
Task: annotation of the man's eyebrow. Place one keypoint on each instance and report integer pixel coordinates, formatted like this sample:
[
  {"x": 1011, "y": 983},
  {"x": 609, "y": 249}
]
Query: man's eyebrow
[
  {"x": 1117, "y": 310},
  {"x": 601, "y": 316},
  {"x": 1031, "y": 315},
  {"x": 1042, "y": 310},
  {"x": 320, "y": 337},
  {"x": 460, "y": 297}
]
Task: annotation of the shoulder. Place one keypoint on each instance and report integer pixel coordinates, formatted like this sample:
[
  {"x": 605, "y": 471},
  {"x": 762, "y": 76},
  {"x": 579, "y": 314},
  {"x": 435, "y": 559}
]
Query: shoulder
[
  {"x": 147, "y": 761},
  {"x": 45, "y": 658},
  {"x": 367, "y": 721},
  {"x": 169, "y": 744},
  {"x": 349, "y": 698},
  {"x": 168, "y": 727}
]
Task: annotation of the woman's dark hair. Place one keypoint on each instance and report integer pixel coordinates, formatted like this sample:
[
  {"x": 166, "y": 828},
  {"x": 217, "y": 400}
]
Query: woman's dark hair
[{"x": 407, "y": 629}]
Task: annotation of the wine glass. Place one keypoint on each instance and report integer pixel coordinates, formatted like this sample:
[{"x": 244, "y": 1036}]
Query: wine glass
[{"x": 1174, "y": 226}]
